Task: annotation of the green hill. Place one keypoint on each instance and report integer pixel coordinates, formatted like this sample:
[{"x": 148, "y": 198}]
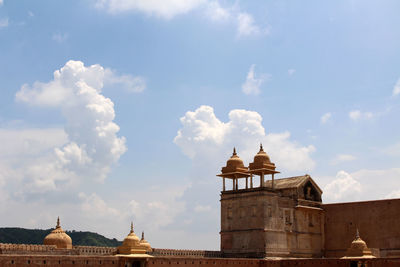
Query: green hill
[{"x": 36, "y": 236}]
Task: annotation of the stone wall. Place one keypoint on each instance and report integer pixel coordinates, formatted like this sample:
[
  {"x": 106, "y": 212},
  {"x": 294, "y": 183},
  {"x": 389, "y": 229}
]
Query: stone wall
[
  {"x": 158, "y": 252},
  {"x": 62, "y": 261},
  {"x": 90, "y": 250},
  {"x": 114, "y": 261},
  {"x": 378, "y": 222}
]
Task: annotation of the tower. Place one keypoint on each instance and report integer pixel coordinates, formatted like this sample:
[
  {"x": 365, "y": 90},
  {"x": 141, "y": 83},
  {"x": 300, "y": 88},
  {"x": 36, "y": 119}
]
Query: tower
[{"x": 277, "y": 218}]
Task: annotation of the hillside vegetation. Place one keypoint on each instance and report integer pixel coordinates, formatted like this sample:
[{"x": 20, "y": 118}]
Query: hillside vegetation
[{"x": 36, "y": 236}]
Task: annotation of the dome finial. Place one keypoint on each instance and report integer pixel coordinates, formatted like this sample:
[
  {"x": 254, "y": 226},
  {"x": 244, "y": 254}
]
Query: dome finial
[
  {"x": 261, "y": 147},
  {"x": 131, "y": 227},
  {"x": 142, "y": 235},
  {"x": 357, "y": 234},
  {"x": 58, "y": 222},
  {"x": 234, "y": 151}
]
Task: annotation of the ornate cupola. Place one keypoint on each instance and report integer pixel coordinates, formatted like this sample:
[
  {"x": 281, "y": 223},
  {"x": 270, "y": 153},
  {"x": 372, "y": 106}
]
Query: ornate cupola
[
  {"x": 131, "y": 244},
  {"x": 58, "y": 237},
  {"x": 262, "y": 165},
  {"x": 358, "y": 249},
  {"x": 234, "y": 170},
  {"x": 145, "y": 244}
]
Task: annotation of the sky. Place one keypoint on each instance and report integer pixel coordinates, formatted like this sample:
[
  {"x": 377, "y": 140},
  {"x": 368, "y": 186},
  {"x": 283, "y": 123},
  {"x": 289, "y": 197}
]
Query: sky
[{"x": 114, "y": 111}]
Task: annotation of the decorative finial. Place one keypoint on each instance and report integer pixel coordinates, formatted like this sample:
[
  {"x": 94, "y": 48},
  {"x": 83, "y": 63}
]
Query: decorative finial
[
  {"x": 261, "y": 147},
  {"x": 142, "y": 235},
  {"x": 131, "y": 227},
  {"x": 58, "y": 222},
  {"x": 357, "y": 234},
  {"x": 234, "y": 151}
]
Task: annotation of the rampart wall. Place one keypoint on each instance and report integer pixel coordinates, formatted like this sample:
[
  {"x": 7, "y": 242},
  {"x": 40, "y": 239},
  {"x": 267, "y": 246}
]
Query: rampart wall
[
  {"x": 114, "y": 261},
  {"x": 158, "y": 252},
  {"x": 378, "y": 222},
  {"x": 61, "y": 261}
]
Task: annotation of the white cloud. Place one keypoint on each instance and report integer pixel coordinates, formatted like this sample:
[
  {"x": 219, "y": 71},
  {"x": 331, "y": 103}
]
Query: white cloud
[
  {"x": 94, "y": 206},
  {"x": 132, "y": 84},
  {"x": 92, "y": 145},
  {"x": 357, "y": 115},
  {"x": 247, "y": 26},
  {"x": 362, "y": 185},
  {"x": 207, "y": 140},
  {"x": 342, "y": 158},
  {"x": 291, "y": 71},
  {"x": 326, "y": 117},
  {"x": 1, "y": 2},
  {"x": 3, "y": 23},
  {"x": 344, "y": 186},
  {"x": 60, "y": 37},
  {"x": 396, "y": 88},
  {"x": 30, "y": 14},
  {"x": 166, "y": 9},
  {"x": 216, "y": 12},
  {"x": 252, "y": 84}
]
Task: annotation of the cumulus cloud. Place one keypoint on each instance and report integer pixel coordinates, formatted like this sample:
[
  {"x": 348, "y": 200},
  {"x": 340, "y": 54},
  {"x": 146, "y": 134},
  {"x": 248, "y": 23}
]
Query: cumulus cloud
[
  {"x": 94, "y": 206},
  {"x": 344, "y": 186},
  {"x": 132, "y": 84},
  {"x": 362, "y": 185},
  {"x": 204, "y": 138},
  {"x": 357, "y": 115},
  {"x": 325, "y": 118},
  {"x": 396, "y": 88},
  {"x": 3, "y": 23},
  {"x": 253, "y": 83},
  {"x": 342, "y": 158},
  {"x": 92, "y": 145}
]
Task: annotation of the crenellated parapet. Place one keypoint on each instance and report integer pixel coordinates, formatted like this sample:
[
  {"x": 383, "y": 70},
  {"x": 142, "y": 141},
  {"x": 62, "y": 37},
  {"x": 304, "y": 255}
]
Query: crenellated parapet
[
  {"x": 159, "y": 252},
  {"x": 91, "y": 250}
]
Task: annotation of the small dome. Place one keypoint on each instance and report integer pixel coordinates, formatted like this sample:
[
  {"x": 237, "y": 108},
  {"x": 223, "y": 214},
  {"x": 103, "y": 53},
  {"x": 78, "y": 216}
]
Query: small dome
[
  {"x": 132, "y": 239},
  {"x": 234, "y": 164},
  {"x": 358, "y": 249},
  {"x": 58, "y": 237},
  {"x": 261, "y": 161},
  {"x": 145, "y": 244},
  {"x": 131, "y": 244},
  {"x": 261, "y": 157}
]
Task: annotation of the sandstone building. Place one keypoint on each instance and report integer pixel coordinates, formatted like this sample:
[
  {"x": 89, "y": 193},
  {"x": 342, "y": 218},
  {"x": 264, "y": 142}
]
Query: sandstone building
[{"x": 268, "y": 223}]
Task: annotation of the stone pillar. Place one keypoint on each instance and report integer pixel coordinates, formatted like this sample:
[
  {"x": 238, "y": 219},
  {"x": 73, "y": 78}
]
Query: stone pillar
[
  {"x": 223, "y": 184},
  {"x": 251, "y": 181},
  {"x": 247, "y": 182},
  {"x": 272, "y": 182},
  {"x": 262, "y": 179}
]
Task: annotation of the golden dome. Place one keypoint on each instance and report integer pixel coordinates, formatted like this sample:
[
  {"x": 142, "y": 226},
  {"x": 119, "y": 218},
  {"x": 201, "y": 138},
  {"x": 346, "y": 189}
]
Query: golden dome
[
  {"x": 234, "y": 164},
  {"x": 358, "y": 249},
  {"x": 58, "y": 238},
  {"x": 131, "y": 244},
  {"x": 262, "y": 161},
  {"x": 145, "y": 244}
]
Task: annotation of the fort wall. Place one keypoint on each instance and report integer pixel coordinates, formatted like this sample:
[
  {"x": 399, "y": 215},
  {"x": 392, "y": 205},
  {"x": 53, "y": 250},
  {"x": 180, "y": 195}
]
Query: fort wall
[{"x": 378, "y": 222}]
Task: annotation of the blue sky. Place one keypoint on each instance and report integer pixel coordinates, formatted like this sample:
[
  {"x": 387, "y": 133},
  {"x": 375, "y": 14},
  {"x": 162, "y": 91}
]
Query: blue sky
[{"x": 120, "y": 110}]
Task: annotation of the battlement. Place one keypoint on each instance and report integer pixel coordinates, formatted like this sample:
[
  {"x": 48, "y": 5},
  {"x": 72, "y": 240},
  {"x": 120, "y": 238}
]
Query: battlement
[{"x": 158, "y": 252}]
